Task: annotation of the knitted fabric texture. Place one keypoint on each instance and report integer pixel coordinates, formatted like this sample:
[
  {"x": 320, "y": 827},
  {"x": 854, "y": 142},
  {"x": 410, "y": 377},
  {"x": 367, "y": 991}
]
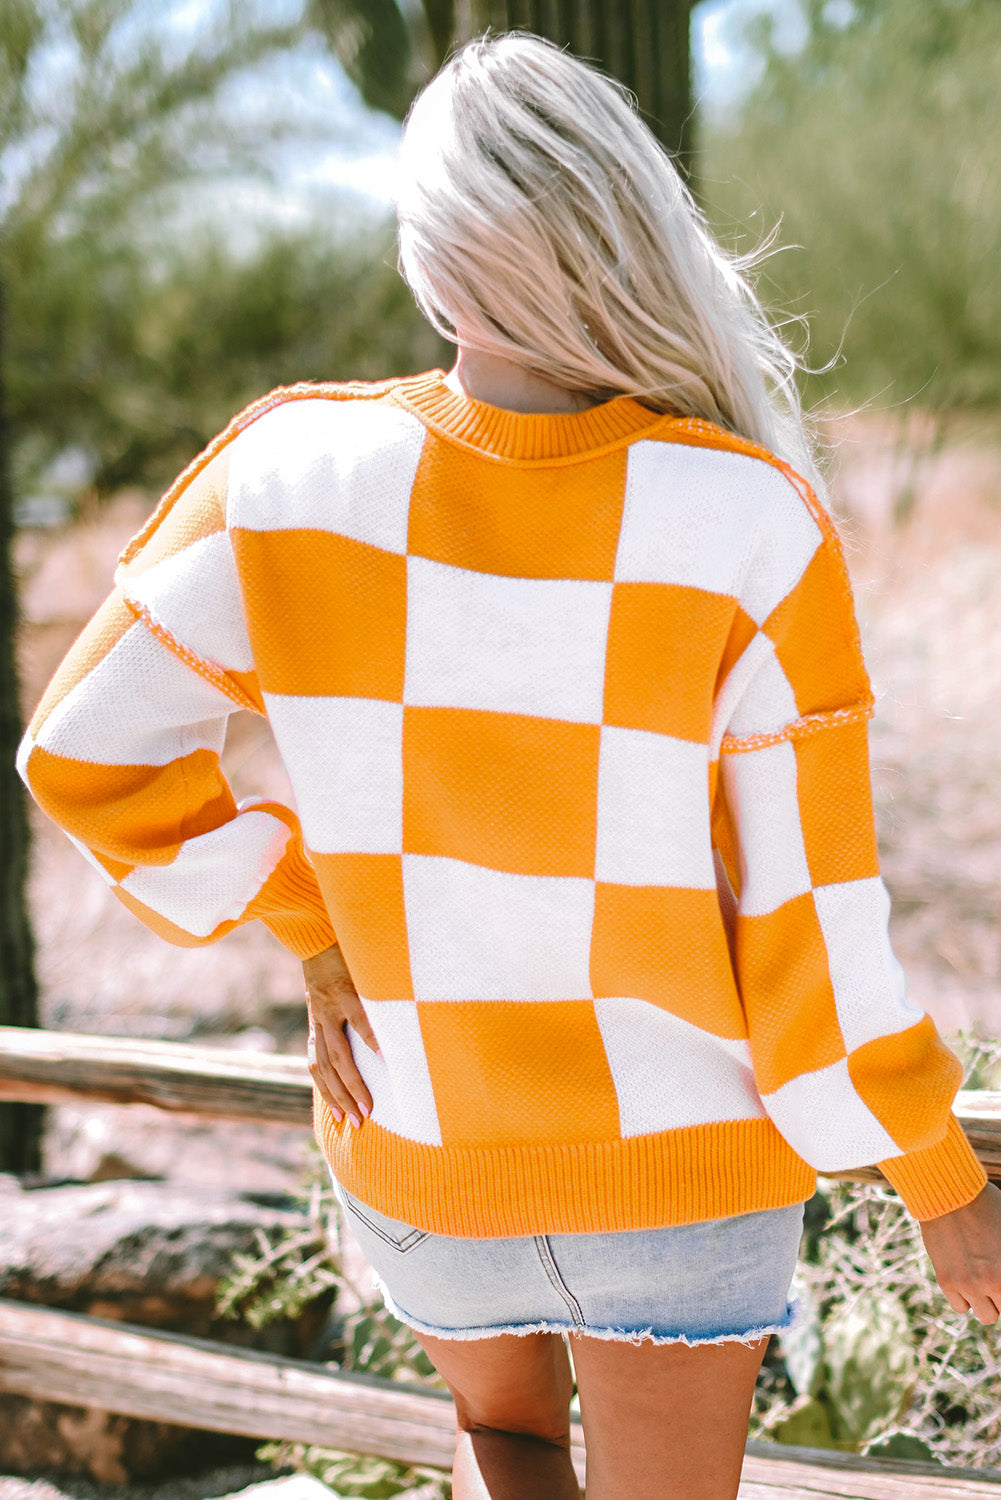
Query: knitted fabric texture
[{"x": 574, "y": 713}]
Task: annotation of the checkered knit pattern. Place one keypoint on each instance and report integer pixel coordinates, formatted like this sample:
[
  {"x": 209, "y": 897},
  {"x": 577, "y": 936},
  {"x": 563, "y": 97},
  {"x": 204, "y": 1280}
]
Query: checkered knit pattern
[{"x": 574, "y": 712}]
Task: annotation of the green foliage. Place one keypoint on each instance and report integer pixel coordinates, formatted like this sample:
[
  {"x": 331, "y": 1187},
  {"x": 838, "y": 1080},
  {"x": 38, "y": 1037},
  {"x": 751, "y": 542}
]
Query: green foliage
[
  {"x": 141, "y": 366},
  {"x": 879, "y": 1362},
  {"x": 875, "y": 146},
  {"x": 139, "y": 318}
]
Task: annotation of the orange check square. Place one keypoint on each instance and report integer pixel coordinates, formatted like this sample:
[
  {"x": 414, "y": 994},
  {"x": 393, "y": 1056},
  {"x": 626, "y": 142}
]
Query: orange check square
[
  {"x": 345, "y": 638},
  {"x": 199, "y": 510},
  {"x": 510, "y": 791},
  {"x": 813, "y": 631},
  {"x": 507, "y": 1072},
  {"x": 786, "y": 988},
  {"x": 668, "y": 946},
  {"x": 546, "y": 522},
  {"x": 364, "y": 896},
  {"x": 665, "y": 642},
  {"x": 883, "y": 1073},
  {"x": 835, "y": 804}
]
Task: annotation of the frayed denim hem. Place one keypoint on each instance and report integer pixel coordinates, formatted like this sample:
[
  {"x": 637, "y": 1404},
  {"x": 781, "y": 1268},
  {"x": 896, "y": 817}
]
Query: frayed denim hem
[{"x": 583, "y": 1330}]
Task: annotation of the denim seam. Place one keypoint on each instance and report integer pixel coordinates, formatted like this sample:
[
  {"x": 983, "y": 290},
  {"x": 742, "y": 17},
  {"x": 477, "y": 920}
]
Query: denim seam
[
  {"x": 409, "y": 1241},
  {"x": 545, "y": 1254}
]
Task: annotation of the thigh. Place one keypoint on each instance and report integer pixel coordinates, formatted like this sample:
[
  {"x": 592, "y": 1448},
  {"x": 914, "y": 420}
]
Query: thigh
[
  {"x": 513, "y": 1382},
  {"x": 665, "y": 1419}
]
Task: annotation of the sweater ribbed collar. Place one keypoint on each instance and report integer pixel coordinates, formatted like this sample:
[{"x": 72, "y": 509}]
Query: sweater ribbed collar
[{"x": 522, "y": 435}]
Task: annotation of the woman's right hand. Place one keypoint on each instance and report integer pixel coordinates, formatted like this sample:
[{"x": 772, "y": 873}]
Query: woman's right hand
[
  {"x": 332, "y": 1004},
  {"x": 965, "y": 1250}
]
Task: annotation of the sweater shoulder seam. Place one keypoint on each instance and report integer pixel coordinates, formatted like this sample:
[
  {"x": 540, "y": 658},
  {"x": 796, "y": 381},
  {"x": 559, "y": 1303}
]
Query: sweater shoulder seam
[
  {"x": 802, "y": 728},
  {"x": 281, "y": 396},
  {"x": 211, "y": 673}
]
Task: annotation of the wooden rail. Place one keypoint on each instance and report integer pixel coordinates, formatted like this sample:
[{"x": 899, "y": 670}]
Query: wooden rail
[
  {"x": 65, "y": 1067},
  {"x": 62, "y": 1067},
  {"x": 60, "y": 1356}
]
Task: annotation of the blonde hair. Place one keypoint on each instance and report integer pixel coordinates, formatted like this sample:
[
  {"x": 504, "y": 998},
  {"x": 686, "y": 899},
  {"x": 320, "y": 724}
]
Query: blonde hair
[{"x": 541, "y": 220}]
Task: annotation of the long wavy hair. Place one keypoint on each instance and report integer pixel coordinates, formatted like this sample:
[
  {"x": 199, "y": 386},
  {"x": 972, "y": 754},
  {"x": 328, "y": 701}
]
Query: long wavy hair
[{"x": 541, "y": 220}]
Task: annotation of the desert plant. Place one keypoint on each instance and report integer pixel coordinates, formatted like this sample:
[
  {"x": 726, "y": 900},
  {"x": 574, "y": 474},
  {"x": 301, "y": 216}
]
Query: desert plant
[
  {"x": 868, "y": 138},
  {"x": 878, "y": 1362}
]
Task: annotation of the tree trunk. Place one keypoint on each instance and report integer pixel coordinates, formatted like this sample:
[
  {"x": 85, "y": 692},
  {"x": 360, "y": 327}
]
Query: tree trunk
[
  {"x": 20, "y": 1124},
  {"x": 643, "y": 43}
]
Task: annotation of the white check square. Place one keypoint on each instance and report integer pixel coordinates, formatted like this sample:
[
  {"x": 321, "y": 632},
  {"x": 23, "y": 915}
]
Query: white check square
[
  {"x": 761, "y": 790},
  {"x": 409, "y": 1110},
  {"x": 653, "y": 810},
  {"x": 513, "y": 645},
  {"x": 482, "y": 934},
  {"x": 870, "y": 989},
  {"x": 215, "y": 874},
  {"x": 140, "y": 705},
  {"x": 690, "y": 515},
  {"x": 342, "y": 466},
  {"x": 344, "y": 758},
  {"x": 787, "y": 539},
  {"x": 195, "y": 595},
  {"x": 668, "y": 1074},
  {"x": 850, "y": 1135},
  {"x": 767, "y": 703}
]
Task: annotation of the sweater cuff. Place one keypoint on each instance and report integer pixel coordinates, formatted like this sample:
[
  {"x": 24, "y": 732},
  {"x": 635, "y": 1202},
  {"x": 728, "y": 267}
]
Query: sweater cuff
[
  {"x": 938, "y": 1178},
  {"x": 293, "y": 908}
]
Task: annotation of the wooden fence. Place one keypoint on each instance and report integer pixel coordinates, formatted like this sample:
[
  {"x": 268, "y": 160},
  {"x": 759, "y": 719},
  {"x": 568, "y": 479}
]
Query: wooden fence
[{"x": 58, "y": 1356}]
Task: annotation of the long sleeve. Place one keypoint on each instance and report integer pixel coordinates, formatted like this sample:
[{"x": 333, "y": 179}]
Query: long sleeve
[
  {"x": 123, "y": 750},
  {"x": 848, "y": 1069}
]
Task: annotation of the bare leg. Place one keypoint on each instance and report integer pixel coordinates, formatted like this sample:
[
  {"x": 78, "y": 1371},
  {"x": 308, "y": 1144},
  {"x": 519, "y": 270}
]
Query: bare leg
[
  {"x": 512, "y": 1400},
  {"x": 663, "y": 1419}
]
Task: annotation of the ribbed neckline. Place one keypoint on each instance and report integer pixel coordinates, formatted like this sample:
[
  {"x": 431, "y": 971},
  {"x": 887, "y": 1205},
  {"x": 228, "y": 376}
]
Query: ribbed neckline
[{"x": 522, "y": 435}]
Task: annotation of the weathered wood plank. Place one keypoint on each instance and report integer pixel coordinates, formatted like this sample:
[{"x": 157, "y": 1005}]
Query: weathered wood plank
[
  {"x": 773, "y": 1472},
  {"x": 56, "y": 1067},
  {"x": 61, "y": 1067},
  {"x": 60, "y": 1356}
]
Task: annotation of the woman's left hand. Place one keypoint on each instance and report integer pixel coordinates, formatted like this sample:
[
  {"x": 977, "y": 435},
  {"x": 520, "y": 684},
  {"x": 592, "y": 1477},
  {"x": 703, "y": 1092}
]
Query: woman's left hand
[
  {"x": 332, "y": 1003},
  {"x": 965, "y": 1250}
]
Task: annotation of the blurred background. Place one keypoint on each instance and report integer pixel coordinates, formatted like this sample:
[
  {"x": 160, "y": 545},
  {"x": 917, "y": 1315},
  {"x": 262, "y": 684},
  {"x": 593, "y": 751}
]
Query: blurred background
[{"x": 195, "y": 206}]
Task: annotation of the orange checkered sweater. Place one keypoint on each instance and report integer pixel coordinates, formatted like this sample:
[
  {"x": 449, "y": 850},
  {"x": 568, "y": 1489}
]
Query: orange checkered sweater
[{"x": 574, "y": 713}]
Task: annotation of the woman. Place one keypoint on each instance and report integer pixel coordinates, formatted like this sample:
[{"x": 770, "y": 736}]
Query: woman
[{"x": 559, "y": 653}]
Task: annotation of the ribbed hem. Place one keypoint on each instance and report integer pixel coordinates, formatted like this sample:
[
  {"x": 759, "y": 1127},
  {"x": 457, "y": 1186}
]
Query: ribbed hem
[
  {"x": 644, "y": 1182},
  {"x": 938, "y": 1178},
  {"x": 523, "y": 436}
]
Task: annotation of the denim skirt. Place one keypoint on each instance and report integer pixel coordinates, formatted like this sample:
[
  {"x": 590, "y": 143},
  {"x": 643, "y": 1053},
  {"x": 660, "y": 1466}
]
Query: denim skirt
[{"x": 705, "y": 1283}]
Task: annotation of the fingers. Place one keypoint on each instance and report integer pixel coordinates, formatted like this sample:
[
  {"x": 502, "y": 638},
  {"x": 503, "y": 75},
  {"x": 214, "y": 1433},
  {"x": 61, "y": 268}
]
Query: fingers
[
  {"x": 984, "y": 1309},
  {"x": 331, "y": 990},
  {"x": 965, "y": 1251},
  {"x": 320, "y": 1075},
  {"x": 332, "y": 1067},
  {"x": 354, "y": 1014},
  {"x": 334, "y": 1058}
]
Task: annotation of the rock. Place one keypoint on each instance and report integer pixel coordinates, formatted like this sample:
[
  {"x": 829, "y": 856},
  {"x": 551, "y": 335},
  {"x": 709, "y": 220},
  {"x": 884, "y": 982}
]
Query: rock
[
  {"x": 151, "y": 1253},
  {"x": 206, "y": 1485},
  {"x": 143, "y": 1252},
  {"x": 103, "y": 1446}
]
